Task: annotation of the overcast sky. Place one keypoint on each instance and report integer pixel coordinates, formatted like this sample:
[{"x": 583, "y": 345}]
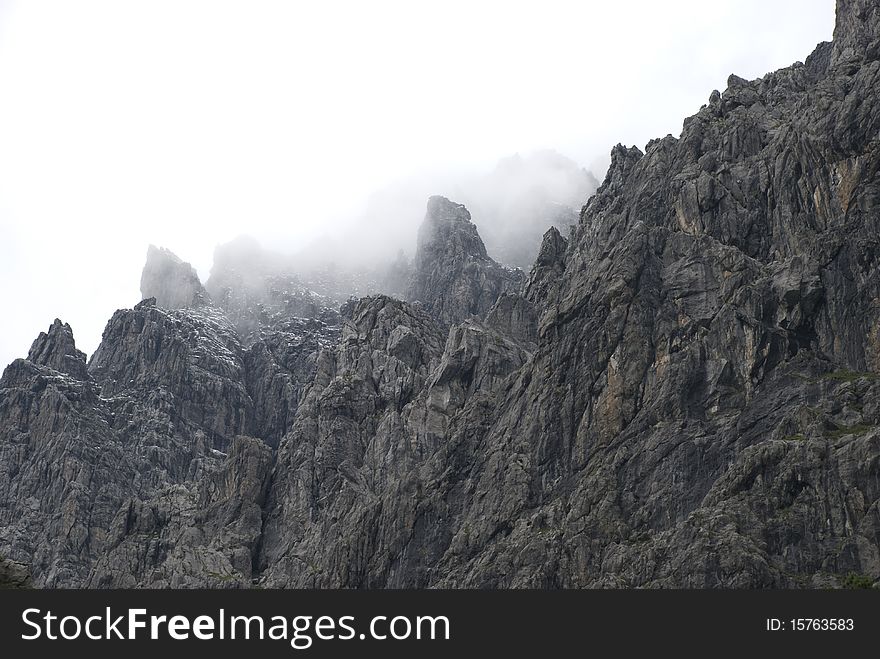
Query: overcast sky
[{"x": 187, "y": 123}]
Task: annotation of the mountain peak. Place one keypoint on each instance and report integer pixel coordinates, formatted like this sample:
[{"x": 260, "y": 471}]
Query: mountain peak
[
  {"x": 448, "y": 228},
  {"x": 57, "y": 349},
  {"x": 172, "y": 281},
  {"x": 453, "y": 274},
  {"x": 552, "y": 248}
]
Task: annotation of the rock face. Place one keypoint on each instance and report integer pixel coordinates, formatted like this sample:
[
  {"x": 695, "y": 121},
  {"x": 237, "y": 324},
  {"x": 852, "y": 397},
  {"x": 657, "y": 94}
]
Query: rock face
[
  {"x": 542, "y": 287},
  {"x": 173, "y": 283},
  {"x": 196, "y": 534},
  {"x": 282, "y": 323},
  {"x": 345, "y": 449},
  {"x": 515, "y": 317},
  {"x": 700, "y": 410},
  {"x": 683, "y": 393},
  {"x": 190, "y": 360},
  {"x": 142, "y": 433},
  {"x": 13, "y": 575},
  {"x": 855, "y": 35},
  {"x": 453, "y": 277},
  {"x": 57, "y": 350}
]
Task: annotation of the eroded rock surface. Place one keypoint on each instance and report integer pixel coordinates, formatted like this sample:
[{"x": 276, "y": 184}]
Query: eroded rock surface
[
  {"x": 683, "y": 393},
  {"x": 454, "y": 278}
]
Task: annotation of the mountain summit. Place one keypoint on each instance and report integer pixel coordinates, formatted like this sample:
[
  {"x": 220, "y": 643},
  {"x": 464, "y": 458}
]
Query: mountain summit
[{"x": 453, "y": 275}]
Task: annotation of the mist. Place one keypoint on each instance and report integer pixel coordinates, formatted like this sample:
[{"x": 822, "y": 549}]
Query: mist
[
  {"x": 321, "y": 130},
  {"x": 512, "y": 204}
]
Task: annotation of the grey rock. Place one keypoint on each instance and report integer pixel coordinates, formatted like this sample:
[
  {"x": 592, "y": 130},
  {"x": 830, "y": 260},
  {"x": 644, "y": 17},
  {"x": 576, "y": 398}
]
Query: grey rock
[
  {"x": 345, "y": 448},
  {"x": 683, "y": 393},
  {"x": 542, "y": 284},
  {"x": 57, "y": 350},
  {"x": 515, "y": 317},
  {"x": 476, "y": 358},
  {"x": 699, "y": 409},
  {"x": 189, "y": 359},
  {"x": 199, "y": 534},
  {"x": 13, "y": 575},
  {"x": 454, "y": 277},
  {"x": 172, "y": 282},
  {"x": 857, "y": 33}
]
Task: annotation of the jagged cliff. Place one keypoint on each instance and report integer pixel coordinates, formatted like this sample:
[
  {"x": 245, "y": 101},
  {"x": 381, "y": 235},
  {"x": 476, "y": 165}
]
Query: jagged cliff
[
  {"x": 174, "y": 283},
  {"x": 682, "y": 393},
  {"x": 454, "y": 277}
]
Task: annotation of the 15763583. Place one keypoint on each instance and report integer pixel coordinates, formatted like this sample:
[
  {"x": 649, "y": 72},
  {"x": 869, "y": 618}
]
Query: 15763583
[{"x": 811, "y": 624}]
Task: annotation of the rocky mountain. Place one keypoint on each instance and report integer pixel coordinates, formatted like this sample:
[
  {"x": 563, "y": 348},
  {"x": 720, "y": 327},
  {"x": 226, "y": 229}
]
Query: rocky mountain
[
  {"x": 57, "y": 350},
  {"x": 174, "y": 283},
  {"x": 453, "y": 275},
  {"x": 258, "y": 289},
  {"x": 512, "y": 205},
  {"x": 685, "y": 392}
]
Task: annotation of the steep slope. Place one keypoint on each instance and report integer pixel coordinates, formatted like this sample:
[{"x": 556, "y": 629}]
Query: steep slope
[
  {"x": 701, "y": 408},
  {"x": 453, "y": 276},
  {"x": 683, "y": 393},
  {"x": 174, "y": 283},
  {"x": 711, "y": 353},
  {"x": 274, "y": 326},
  {"x": 57, "y": 350},
  {"x": 350, "y": 504},
  {"x": 88, "y": 459}
]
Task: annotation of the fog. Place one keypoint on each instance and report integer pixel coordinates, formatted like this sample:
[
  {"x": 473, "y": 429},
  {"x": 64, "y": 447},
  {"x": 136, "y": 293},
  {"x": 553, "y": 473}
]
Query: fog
[
  {"x": 512, "y": 204},
  {"x": 323, "y": 126}
]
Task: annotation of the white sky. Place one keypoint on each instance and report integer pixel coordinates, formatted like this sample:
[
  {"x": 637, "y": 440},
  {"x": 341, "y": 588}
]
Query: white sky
[{"x": 187, "y": 123}]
